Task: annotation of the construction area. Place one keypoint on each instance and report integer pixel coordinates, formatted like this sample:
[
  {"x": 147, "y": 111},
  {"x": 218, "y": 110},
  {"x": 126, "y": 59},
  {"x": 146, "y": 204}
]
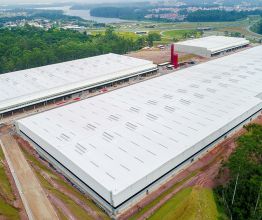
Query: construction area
[{"x": 121, "y": 143}]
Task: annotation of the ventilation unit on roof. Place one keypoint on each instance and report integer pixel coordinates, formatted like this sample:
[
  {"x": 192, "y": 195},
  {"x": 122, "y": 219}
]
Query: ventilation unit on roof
[
  {"x": 167, "y": 96},
  {"x": 185, "y": 102},
  {"x": 107, "y": 136},
  {"x": 169, "y": 109},
  {"x": 133, "y": 109},
  {"x": 151, "y": 117},
  {"x": 131, "y": 126},
  {"x": 152, "y": 102},
  {"x": 113, "y": 117}
]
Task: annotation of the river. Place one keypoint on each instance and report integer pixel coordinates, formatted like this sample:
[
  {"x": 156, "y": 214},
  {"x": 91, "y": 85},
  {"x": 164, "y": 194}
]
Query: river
[{"x": 85, "y": 14}]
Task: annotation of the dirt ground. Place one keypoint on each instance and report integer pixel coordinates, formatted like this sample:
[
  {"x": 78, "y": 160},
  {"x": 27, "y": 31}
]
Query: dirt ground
[
  {"x": 158, "y": 56},
  {"x": 39, "y": 207},
  {"x": 206, "y": 168}
]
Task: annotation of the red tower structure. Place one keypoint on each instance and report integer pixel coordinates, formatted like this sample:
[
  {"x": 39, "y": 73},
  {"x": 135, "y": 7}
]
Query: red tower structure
[{"x": 174, "y": 56}]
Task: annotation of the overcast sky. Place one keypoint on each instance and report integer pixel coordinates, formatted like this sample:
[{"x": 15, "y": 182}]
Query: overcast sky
[{"x": 6, "y": 2}]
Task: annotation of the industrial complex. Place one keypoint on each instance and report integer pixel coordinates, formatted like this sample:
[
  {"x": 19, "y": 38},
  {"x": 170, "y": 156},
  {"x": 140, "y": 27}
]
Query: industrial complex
[
  {"x": 27, "y": 88},
  {"x": 211, "y": 46},
  {"x": 120, "y": 146}
]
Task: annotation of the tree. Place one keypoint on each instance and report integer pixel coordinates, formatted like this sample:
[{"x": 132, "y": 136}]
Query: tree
[
  {"x": 243, "y": 191},
  {"x": 153, "y": 36},
  {"x": 29, "y": 47}
]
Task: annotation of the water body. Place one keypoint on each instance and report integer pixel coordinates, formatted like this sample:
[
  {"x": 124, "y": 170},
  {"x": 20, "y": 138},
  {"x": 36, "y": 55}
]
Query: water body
[{"x": 85, "y": 14}]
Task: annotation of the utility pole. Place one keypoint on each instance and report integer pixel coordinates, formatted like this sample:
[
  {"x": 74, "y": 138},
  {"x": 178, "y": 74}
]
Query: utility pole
[
  {"x": 258, "y": 196},
  {"x": 227, "y": 204},
  {"x": 233, "y": 198}
]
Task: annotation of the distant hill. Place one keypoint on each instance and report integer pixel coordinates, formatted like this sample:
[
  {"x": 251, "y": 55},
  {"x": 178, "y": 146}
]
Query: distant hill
[
  {"x": 257, "y": 28},
  {"x": 225, "y": 2}
]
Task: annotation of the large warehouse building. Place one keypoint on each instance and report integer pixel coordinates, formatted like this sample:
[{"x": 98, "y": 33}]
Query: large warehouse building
[
  {"x": 123, "y": 144},
  {"x": 28, "y": 87},
  {"x": 211, "y": 46}
]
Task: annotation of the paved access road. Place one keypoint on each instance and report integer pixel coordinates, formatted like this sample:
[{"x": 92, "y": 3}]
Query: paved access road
[{"x": 33, "y": 196}]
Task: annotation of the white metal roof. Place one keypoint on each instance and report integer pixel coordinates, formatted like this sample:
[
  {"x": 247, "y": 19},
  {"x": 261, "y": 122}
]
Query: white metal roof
[
  {"x": 120, "y": 138},
  {"x": 28, "y": 85},
  {"x": 215, "y": 43}
]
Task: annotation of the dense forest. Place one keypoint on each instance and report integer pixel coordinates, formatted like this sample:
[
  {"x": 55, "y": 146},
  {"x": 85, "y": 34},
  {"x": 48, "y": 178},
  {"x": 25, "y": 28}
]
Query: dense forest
[
  {"x": 219, "y": 15},
  {"x": 257, "y": 28},
  {"x": 242, "y": 195},
  {"x": 127, "y": 13},
  {"x": 120, "y": 12},
  {"x": 28, "y": 47},
  {"x": 132, "y": 13}
]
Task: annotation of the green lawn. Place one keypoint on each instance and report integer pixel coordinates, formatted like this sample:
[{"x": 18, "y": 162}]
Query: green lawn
[
  {"x": 188, "y": 204},
  {"x": 6, "y": 194},
  {"x": 154, "y": 202},
  {"x": 129, "y": 35},
  {"x": 7, "y": 211},
  {"x": 181, "y": 34},
  {"x": 125, "y": 34},
  {"x": 5, "y": 187}
]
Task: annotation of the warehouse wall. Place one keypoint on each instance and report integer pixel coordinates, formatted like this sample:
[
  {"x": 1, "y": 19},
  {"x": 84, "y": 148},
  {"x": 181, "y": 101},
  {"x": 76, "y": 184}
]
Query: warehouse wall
[{"x": 200, "y": 51}]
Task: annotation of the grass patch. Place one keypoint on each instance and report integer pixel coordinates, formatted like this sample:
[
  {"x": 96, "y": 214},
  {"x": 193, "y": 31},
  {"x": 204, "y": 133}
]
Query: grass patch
[
  {"x": 75, "y": 209},
  {"x": 60, "y": 214},
  {"x": 128, "y": 35},
  {"x": 2, "y": 156},
  {"x": 189, "y": 203},
  {"x": 36, "y": 162},
  {"x": 157, "y": 200},
  {"x": 5, "y": 186},
  {"x": 221, "y": 210},
  {"x": 86, "y": 200},
  {"x": 181, "y": 34},
  {"x": 7, "y": 211}
]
